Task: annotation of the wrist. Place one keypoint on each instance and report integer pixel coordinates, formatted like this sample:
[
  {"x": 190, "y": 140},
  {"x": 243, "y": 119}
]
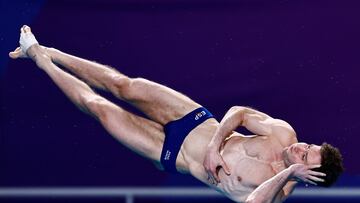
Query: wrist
[
  {"x": 214, "y": 145},
  {"x": 291, "y": 171}
]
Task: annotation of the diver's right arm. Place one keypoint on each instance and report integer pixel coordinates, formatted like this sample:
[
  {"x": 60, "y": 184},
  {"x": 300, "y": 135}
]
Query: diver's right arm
[{"x": 273, "y": 190}]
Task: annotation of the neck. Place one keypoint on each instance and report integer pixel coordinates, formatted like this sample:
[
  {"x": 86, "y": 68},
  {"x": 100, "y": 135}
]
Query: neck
[
  {"x": 285, "y": 158},
  {"x": 279, "y": 162}
]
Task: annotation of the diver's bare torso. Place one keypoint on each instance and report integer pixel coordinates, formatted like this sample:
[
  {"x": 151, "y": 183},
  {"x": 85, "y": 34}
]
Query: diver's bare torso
[{"x": 251, "y": 159}]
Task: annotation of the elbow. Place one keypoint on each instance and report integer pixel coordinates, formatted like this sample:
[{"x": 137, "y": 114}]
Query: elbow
[
  {"x": 249, "y": 201},
  {"x": 238, "y": 112},
  {"x": 238, "y": 108},
  {"x": 252, "y": 199}
]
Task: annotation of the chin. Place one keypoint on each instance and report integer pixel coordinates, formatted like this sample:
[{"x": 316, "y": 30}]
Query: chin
[{"x": 286, "y": 157}]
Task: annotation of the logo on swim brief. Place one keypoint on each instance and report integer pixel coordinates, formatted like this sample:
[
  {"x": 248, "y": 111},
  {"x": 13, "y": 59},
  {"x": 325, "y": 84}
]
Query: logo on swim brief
[
  {"x": 199, "y": 115},
  {"x": 167, "y": 155}
]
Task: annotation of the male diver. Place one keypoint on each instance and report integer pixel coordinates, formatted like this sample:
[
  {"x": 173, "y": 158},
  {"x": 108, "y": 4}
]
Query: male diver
[{"x": 180, "y": 135}]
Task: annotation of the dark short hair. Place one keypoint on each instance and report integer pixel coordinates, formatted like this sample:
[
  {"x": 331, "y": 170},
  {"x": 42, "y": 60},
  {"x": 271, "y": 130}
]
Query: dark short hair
[{"x": 331, "y": 164}]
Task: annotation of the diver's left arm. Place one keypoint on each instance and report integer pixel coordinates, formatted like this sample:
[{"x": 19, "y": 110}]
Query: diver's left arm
[
  {"x": 279, "y": 187},
  {"x": 260, "y": 123}
]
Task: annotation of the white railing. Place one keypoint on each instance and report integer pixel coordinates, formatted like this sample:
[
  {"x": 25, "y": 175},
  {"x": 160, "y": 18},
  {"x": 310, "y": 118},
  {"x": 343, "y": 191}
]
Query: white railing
[{"x": 130, "y": 193}]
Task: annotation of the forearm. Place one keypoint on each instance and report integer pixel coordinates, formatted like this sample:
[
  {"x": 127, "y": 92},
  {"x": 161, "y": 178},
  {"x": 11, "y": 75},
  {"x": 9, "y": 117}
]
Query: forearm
[
  {"x": 96, "y": 75},
  {"x": 269, "y": 190},
  {"x": 232, "y": 119}
]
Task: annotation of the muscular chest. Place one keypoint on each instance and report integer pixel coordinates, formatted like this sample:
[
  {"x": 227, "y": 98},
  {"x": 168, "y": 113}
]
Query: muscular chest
[{"x": 252, "y": 161}]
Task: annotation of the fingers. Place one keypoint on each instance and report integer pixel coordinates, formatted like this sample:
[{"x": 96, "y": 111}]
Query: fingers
[
  {"x": 314, "y": 166},
  {"x": 309, "y": 181},
  {"x": 212, "y": 164},
  {"x": 312, "y": 174},
  {"x": 315, "y": 173},
  {"x": 216, "y": 174},
  {"x": 225, "y": 167},
  {"x": 306, "y": 180},
  {"x": 312, "y": 179},
  {"x": 211, "y": 179},
  {"x": 316, "y": 179},
  {"x": 213, "y": 175},
  {"x": 221, "y": 165}
]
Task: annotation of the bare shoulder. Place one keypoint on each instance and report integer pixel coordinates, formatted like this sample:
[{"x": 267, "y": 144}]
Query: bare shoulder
[
  {"x": 261, "y": 123},
  {"x": 284, "y": 132},
  {"x": 279, "y": 128}
]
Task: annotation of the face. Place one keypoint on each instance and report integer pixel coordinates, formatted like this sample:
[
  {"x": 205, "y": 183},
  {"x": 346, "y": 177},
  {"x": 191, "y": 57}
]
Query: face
[{"x": 302, "y": 153}]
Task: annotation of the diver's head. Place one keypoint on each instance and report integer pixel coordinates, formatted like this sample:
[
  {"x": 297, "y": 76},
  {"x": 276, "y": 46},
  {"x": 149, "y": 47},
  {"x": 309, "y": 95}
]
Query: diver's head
[{"x": 325, "y": 155}]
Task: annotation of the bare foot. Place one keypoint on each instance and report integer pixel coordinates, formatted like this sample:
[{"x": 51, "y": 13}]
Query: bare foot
[
  {"x": 27, "y": 39},
  {"x": 17, "y": 53}
]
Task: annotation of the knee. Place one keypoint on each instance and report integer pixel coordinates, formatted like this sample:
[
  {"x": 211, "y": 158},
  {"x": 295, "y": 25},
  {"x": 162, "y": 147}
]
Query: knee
[
  {"x": 129, "y": 88},
  {"x": 121, "y": 85},
  {"x": 139, "y": 82},
  {"x": 94, "y": 105},
  {"x": 138, "y": 88}
]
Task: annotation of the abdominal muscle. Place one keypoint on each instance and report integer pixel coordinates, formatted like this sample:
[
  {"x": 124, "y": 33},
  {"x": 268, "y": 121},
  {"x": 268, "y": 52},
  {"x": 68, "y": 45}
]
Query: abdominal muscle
[
  {"x": 248, "y": 167},
  {"x": 192, "y": 153},
  {"x": 244, "y": 177}
]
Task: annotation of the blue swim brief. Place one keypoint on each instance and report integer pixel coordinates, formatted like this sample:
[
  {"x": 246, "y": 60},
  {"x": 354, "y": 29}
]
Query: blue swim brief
[{"x": 175, "y": 134}]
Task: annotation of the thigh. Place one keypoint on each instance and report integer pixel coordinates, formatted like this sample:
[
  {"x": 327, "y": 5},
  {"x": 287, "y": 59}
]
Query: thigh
[
  {"x": 160, "y": 103},
  {"x": 141, "y": 135}
]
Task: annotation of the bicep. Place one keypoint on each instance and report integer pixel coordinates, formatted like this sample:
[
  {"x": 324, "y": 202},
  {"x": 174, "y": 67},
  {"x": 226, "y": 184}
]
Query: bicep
[
  {"x": 257, "y": 122},
  {"x": 263, "y": 124}
]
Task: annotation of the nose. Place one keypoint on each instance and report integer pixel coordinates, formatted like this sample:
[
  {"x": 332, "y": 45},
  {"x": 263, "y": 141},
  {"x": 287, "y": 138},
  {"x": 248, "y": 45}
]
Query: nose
[{"x": 299, "y": 149}]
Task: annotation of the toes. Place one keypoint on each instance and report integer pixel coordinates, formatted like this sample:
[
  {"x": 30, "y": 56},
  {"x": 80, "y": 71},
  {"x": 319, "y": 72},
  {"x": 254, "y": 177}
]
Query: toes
[
  {"x": 17, "y": 49},
  {"x": 13, "y": 55},
  {"x": 27, "y": 29},
  {"x": 16, "y": 53}
]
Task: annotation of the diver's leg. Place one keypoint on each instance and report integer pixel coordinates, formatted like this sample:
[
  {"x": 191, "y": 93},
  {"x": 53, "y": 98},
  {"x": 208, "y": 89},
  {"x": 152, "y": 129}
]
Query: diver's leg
[
  {"x": 139, "y": 134},
  {"x": 158, "y": 102}
]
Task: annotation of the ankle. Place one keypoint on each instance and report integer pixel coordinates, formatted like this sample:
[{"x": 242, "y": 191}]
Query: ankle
[{"x": 38, "y": 54}]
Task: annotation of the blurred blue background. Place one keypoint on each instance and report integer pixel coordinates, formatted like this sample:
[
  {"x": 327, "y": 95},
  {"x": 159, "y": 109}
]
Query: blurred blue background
[{"x": 295, "y": 60}]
